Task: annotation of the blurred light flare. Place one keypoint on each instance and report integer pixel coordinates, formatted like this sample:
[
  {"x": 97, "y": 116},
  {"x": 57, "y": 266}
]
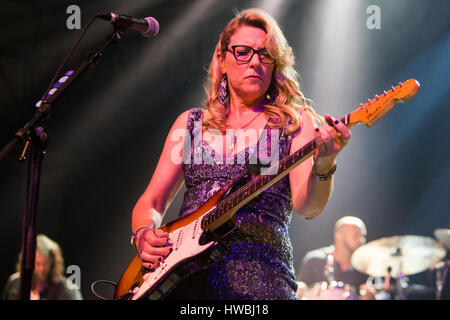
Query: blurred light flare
[
  {"x": 276, "y": 8},
  {"x": 334, "y": 70}
]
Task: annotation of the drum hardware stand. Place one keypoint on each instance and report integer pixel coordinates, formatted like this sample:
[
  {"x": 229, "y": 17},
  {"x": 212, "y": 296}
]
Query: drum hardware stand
[
  {"x": 35, "y": 138},
  {"x": 401, "y": 284},
  {"x": 329, "y": 268},
  {"x": 401, "y": 280},
  {"x": 441, "y": 276},
  {"x": 382, "y": 286}
]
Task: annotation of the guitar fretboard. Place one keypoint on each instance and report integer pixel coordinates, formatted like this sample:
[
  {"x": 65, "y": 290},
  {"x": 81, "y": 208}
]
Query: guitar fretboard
[{"x": 257, "y": 185}]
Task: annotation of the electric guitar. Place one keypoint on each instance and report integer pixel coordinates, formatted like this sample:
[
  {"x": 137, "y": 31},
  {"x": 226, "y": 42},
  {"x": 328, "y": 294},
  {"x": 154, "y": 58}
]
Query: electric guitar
[{"x": 196, "y": 238}]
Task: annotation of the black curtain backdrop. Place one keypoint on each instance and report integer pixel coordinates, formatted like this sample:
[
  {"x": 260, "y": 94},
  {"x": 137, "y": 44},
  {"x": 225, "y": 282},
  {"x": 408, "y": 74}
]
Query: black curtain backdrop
[{"x": 107, "y": 133}]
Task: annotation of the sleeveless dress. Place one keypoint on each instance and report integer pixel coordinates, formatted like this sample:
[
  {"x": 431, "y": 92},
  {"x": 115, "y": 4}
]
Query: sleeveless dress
[{"x": 259, "y": 265}]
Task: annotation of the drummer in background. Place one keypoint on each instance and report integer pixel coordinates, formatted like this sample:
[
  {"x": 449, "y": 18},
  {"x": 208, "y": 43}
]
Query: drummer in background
[{"x": 333, "y": 263}]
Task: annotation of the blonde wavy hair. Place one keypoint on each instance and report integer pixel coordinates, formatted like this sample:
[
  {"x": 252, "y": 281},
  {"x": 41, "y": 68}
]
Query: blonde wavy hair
[{"x": 287, "y": 98}]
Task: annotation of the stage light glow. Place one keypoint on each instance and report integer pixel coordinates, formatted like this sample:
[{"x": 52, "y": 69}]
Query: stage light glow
[
  {"x": 330, "y": 61},
  {"x": 333, "y": 53},
  {"x": 276, "y": 8}
]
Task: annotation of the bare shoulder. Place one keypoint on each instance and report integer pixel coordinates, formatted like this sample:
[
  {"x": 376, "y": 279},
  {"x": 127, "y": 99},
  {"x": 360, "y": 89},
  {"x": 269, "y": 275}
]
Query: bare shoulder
[{"x": 182, "y": 119}]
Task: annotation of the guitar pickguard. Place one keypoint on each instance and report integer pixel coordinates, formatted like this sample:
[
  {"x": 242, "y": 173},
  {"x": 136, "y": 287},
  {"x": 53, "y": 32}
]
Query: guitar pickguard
[{"x": 188, "y": 256}]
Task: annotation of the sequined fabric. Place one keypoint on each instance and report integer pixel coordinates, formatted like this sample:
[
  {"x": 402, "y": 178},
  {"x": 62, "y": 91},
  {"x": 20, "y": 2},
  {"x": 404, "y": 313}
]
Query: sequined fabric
[{"x": 260, "y": 262}]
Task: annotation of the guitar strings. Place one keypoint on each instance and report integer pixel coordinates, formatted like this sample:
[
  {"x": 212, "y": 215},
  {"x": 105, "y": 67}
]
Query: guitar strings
[{"x": 300, "y": 153}]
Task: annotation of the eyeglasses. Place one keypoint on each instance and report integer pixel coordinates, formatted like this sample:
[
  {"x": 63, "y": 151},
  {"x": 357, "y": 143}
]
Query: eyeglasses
[{"x": 245, "y": 54}]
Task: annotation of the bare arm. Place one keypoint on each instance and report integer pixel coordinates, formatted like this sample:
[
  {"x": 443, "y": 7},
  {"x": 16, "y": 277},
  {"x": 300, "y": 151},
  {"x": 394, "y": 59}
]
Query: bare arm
[
  {"x": 164, "y": 185},
  {"x": 309, "y": 195}
]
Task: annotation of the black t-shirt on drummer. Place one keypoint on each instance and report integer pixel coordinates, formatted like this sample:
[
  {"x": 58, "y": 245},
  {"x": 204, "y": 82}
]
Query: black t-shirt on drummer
[{"x": 312, "y": 269}]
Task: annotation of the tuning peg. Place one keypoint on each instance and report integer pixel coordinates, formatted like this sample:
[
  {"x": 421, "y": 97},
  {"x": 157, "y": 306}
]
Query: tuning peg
[
  {"x": 400, "y": 84},
  {"x": 392, "y": 88},
  {"x": 385, "y": 93},
  {"x": 377, "y": 97},
  {"x": 369, "y": 102}
]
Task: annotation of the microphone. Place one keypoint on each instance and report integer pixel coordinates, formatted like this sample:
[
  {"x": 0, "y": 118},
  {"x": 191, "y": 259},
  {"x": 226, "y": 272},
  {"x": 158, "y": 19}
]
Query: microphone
[{"x": 149, "y": 27}]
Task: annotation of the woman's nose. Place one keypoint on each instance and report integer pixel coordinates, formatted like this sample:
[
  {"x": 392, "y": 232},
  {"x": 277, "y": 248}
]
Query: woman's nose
[{"x": 255, "y": 61}]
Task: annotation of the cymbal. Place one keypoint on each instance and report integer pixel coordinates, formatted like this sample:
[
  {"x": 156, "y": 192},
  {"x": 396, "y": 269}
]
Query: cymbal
[
  {"x": 444, "y": 236},
  {"x": 403, "y": 254}
]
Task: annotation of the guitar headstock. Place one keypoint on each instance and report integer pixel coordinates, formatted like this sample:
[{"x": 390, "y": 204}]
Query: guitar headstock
[{"x": 374, "y": 109}]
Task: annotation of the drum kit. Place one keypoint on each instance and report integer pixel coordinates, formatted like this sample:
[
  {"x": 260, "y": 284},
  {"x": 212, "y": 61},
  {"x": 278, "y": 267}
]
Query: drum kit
[{"x": 388, "y": 262}]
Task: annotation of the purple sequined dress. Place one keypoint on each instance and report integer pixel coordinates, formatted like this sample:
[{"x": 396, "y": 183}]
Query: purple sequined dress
[{"x": 260, "y": 262}]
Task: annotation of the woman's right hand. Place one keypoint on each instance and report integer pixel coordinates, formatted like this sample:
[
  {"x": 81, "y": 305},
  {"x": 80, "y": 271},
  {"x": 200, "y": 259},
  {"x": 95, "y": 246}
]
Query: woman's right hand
[{"x": 153, "y": 247}]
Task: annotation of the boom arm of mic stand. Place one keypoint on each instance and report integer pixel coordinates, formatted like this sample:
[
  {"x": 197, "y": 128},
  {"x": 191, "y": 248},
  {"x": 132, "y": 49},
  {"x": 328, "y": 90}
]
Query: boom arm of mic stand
[{"x": 45, "y": 109}]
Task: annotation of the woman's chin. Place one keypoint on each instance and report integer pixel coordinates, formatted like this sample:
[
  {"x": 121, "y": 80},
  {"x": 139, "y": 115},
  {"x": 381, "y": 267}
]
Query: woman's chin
[{"x": 253, "y": 94}]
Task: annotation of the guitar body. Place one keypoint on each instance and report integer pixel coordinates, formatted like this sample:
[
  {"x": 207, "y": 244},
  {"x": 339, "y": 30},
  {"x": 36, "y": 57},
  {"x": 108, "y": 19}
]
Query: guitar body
[
  {"x": 194, "y": 249},
  {"x": 195, "y": 239}
]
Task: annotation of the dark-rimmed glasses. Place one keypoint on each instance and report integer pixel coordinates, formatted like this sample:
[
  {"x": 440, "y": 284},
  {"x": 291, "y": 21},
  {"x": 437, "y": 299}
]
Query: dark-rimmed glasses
[{"x": 245, "y": 54}]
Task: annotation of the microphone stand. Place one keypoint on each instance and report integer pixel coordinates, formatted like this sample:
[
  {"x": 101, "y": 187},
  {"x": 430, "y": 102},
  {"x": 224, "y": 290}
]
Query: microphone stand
[{"x": 34, "y": 134}]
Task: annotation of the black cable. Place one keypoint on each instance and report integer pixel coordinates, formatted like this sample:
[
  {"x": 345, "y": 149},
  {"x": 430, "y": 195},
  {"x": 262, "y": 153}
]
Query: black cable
[{"x": 101, "y": 281}]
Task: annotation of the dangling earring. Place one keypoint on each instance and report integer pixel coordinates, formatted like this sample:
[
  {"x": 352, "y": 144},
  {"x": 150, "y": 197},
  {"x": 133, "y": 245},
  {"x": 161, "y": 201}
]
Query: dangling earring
[
  {"x": 223, "y": 92},
  {"x": 271, "y": 95}
]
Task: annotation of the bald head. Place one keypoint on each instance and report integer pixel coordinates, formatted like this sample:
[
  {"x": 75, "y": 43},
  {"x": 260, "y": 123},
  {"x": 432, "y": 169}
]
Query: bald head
[
  {"x": 349, "y": 233},
  {"x": 351, "y": 221}
]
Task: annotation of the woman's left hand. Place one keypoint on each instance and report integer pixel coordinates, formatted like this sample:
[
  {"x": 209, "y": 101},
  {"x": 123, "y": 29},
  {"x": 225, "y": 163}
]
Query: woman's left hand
[{"x": 330, "y": 140}]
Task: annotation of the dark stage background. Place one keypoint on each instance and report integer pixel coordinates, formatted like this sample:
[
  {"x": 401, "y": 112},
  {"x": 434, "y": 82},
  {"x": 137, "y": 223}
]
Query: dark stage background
[{"x": 106, "y": 135}]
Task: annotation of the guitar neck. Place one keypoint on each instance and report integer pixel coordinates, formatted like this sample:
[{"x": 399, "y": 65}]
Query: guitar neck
[
  {"x": 226, "y": 208},
  {"x": 368, "y": 114}
]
